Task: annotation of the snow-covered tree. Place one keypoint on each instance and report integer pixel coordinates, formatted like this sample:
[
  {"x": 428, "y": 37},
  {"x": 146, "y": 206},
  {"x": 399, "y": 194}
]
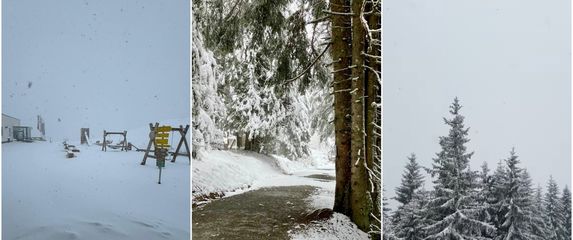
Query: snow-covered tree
[
  {"x": 534, "y": 224},
  {"x": 409, "y": 220},
  {"x": 566, "y": 205},
  {"x": 412, "y": 180},
  {"x": 263, "y": 46},
  {"x": 515, "y": 204},
  {"x": 499, "y": 183},
  {"x": 454, "y": 210},
  {"x": 537, "y": 223},
  {"x": 485, "y": 196},
  {"x": 208, "y": 108},
  {"x": 388, "y": 228},
  {"x": 554, "y": 212}
]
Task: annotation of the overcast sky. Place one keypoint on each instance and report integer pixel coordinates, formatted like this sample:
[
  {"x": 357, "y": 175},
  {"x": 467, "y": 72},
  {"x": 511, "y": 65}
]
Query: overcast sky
[
  {"x": 113, "y": 64},
  {"x": 509, "y": 63}
]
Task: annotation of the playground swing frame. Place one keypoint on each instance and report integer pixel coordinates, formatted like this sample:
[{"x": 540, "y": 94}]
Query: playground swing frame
[{"x": 123, "y": 146}]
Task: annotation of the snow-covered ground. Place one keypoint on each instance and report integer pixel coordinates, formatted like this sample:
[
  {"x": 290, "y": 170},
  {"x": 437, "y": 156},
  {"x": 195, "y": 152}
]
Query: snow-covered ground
[
  {"x": 96, "y": 195},
  {"x": 234, "y": 172},
  {"x": 338, "y": 227}
]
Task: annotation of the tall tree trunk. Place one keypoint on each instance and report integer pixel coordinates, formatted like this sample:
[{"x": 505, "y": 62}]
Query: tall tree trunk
[
  {"x": 373, "y": 123},
  {"x": 240, "y": 142},
  {"x": 359, "y": 196},
  {"x": 341, "y": 56},
  {"x": 248, "y": 142},
  {"x": 256, "y": 144}
]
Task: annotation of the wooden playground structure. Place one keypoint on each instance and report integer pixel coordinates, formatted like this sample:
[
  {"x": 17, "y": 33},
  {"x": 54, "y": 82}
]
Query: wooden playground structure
[
  {"x": 123, "y": 144},
  {"x": 158, "y": 138}
]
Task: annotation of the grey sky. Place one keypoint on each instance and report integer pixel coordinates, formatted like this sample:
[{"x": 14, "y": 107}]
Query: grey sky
[
  {"x": 111, "y": 64},
  {"x": 509, "y": 63}
]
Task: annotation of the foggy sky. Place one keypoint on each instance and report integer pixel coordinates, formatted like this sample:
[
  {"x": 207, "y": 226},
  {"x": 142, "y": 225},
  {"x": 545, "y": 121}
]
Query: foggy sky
[
  {"x": 509, "y": 63},
  {"x": 99, "y": 64}
]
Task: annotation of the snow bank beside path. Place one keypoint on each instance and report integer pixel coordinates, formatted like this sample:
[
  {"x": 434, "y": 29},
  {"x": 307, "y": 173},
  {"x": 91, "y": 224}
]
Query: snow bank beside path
[
  {"x": 220, "y": 172},
  {"x": 224, "y": 173},
  {"x": 337, "y": 227}
]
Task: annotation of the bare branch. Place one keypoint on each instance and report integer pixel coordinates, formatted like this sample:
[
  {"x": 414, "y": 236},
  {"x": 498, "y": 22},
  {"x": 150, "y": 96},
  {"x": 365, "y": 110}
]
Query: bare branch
[{"x": 309, "y": 66}]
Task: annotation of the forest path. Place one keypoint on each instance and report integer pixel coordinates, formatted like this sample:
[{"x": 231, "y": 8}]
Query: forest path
[{"x": 265, "y": 213}]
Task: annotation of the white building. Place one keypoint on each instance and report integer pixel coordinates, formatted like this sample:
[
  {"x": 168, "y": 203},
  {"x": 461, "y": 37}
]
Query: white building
[{"x": 8, "y": 124}]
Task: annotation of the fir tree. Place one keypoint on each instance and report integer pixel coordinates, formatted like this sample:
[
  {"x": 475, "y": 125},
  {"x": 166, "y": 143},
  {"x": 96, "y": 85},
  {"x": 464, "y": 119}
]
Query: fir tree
[
  {"x": 538, "y": 228},
  {"x": 566, "y": 204},
  {"x": 387, "y": 231},
  {"x": 410, "y": 218},
  {"x": 499, "y": 183},
  {"x": 554, "y": 212},
  {"x": 515, "y": 204},
  {"x": 208, "y": 108},
  {"x": 534, "y": 225},
  {"x": 485, "y": 196},
  {"x": 260, "y": 45},
  {"x": 454, "y": 211},
  {"x": 412, "y": 180}
]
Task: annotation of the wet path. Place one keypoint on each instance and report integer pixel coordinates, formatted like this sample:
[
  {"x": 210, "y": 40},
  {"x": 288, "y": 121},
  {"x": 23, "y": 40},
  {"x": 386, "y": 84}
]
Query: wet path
[{"x": 266, "y": 213}]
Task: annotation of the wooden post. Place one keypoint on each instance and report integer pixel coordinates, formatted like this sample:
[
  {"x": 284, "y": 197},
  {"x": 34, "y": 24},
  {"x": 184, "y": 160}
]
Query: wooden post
[
  {"x": 103, "y": 147},
  {"x": 124, "y": 145},
  {"x": 85, "y": 133},
  {"x": 183, "y": 140},
  {"x": 151, "y": 138}
]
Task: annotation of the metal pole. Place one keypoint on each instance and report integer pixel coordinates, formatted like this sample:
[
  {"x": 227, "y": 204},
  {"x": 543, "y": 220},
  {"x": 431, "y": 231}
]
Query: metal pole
[{"x": 159, "y": 176}]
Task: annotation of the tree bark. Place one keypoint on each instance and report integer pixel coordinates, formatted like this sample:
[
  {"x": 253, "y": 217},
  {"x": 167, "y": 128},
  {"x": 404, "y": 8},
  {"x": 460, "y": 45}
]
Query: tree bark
[
  {"x": 240, "y": 142},
  {"x": 248, "y": 142},
  {"x": 360, "y": 204},
  {"x": 373, "y": 147},
  {"x": 341, "y": 56}
]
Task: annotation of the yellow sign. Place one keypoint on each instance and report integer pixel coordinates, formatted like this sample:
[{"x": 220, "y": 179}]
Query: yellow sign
[
  {"x": 162, "y": 135},
  {"x": 159, "y": 141},
  {"x": 164, "y": 129}
]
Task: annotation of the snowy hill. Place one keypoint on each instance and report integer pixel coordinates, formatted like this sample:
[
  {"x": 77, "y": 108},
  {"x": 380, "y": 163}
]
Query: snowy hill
[{"x": 96, "y": 195}]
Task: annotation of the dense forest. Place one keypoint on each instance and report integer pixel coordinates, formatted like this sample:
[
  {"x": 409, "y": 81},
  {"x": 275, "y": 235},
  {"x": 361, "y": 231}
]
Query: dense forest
[
  {"x": 261, "y": 74},
  {"x": 466, "y": 204}
]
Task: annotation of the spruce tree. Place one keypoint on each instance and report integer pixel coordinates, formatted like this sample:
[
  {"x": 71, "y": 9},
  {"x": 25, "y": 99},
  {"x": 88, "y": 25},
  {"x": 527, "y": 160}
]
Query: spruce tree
[
  {"x": 538, "y": 227},
  {"x": 495, "y": 208},
  {"x": 208, "y": 109},
  {"x": 341, "y": 54},
  {"x": 515, "y": 204},
  {"x": 485, "y": 196},
  {"x": 554, "y": 212},
  {"x": 388, "y": 228},
  {"x": 566, "y": 204},
  {"x": 409, "y": 220},
  {"x": 454, "y": 210},
  {"x": 412, "y": 180},
  {"x": 534, "y": 224}
]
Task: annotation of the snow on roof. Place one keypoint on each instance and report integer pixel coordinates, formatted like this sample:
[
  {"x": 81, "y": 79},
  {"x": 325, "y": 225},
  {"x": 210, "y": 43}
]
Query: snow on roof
[{"x": 6, "y": 115}]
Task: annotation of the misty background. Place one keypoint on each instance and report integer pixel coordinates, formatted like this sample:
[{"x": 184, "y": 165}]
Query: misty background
[
  {"x": 509, "y": 63},
  {"x": 113, "y": 64}
]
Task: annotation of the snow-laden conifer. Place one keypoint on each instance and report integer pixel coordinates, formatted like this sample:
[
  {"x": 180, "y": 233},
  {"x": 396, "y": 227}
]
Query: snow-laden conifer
[
  {"x": 412, "y": 180},
  {"x": 566, "y": 205},
  {"x": 554, "y": 212},
  {"x": 454, "y": 209}
]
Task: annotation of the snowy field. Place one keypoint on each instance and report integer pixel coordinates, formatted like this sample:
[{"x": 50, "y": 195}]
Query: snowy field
[
  {"x": 235, "y": 172},
  {"x": 96, "y": 195}
]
